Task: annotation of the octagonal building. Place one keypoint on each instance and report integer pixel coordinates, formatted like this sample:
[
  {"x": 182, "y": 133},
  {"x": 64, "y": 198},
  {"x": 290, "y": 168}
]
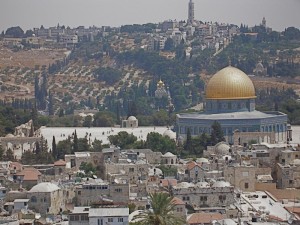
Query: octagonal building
[{"x": 230, "y": 100}]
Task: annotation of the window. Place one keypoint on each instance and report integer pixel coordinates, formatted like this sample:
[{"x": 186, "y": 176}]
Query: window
[
  {"x": 76, "y": 218},
  {"x": 222, "y": 198},
  {"x": 100, "y": 221},
  {"x": 33, "y": 199},
  {"x": 246, "y": 185},
  {"x": 183, "y": 198},
  {"x": 120, "y": 219},
  {"x": 118, "y": 190},
  {"x": 110, "y": 220},
  {"x": 203, "y": 198},
  {"x": 131, "y": 170},
  {"x": 291, "y": 181},
  {"x": 179, "y": 209},
  {"x": 245, "y": 174}
]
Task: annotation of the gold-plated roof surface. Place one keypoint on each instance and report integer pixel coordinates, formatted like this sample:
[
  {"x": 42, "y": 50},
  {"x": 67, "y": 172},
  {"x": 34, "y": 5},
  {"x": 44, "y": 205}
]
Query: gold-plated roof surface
[
  {"x": 160, "y": 83},
  {"x": 230, "y": 83}
]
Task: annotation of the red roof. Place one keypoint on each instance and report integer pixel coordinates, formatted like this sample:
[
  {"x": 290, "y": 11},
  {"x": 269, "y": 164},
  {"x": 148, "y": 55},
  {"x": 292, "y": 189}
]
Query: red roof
[
  {"x": 168, "y": 182},
  {"x": 177, "y": 201},
  {"x": 202, "y": 218},
  {"x": 275, "y": 218},
  {"x": 191, "y": 165},
  {"x": 60, "y": 163},
  {"x": 16, "y": 165},
  {"x": 30, "y": 174}
]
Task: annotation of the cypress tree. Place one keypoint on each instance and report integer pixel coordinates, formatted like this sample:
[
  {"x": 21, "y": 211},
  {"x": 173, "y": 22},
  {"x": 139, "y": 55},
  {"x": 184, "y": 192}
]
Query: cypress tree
[
  {"x": 75, "y": 143},
  {"x": 54, "y": 149},
  {"x": 188, "y": 142}
]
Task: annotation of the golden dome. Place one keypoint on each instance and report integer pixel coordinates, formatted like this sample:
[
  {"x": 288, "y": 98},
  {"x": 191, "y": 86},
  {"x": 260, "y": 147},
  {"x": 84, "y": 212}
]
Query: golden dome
[
  {"x": 230, "y": 83},
  {"x": 160, "y": 83}
]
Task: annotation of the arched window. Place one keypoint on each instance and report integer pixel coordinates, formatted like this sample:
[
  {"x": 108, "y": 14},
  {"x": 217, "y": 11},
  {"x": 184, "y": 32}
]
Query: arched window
[{"x": 33, "y": 199}]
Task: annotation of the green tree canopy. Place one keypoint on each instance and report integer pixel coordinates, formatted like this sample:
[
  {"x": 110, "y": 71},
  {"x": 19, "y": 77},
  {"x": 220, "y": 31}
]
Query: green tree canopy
[
  {"x": 122, "y": 139},
  {"x": 158, "y": 143},
  {"x": 104, "y": 119},
  {"x": 216, "y": 133},
  {"x": 109, "y": 75},
  {"x": 161, "y": 212},
  {"x": 88, "y": 168}
]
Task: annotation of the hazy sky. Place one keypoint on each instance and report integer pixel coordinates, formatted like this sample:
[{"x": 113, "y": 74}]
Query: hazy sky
[{"x": 33, "y": 13}]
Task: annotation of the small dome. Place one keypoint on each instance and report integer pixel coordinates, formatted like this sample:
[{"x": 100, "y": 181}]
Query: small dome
[
  {"x": 44, "y": 187},
  {"x": 160, "y": 83},
  {"x": 132, "y": 118},
  {"x": 184, "y": 185},
  {"x": 82, "y": 114},
  {"x": 170, "y": 134},
  {"x": 226, "y": 157},
  {"x": 9, "y": 135},
  {"x": 156, "y": 172},
  {"x": 202, "y": 160},
  {"x": 221, "y": 184},
  {"x": 230, "y": 83},
  {"x": 202, "y": 184},
  {"x": 169, "y": 154},
  {"x": 222, "y": 148},
  {"x": 296, "y": 162}
]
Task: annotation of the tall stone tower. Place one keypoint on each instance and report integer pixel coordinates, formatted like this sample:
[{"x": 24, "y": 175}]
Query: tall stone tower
[
  {"x": 191, "y": 12},
  {"x": 264, "y": 22}
]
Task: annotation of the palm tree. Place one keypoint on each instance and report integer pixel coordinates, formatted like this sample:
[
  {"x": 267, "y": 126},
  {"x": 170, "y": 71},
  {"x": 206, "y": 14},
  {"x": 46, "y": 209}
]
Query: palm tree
[{"x": 161, "y": 213}]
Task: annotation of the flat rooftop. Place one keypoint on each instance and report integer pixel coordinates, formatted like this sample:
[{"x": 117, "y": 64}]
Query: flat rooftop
[{"x": 260, "y": 201}]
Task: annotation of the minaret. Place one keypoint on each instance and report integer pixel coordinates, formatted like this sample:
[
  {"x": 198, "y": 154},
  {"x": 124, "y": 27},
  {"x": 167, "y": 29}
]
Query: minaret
[
  {"x": 264, "y": 22},
  {"x": 191, "y": 12}
]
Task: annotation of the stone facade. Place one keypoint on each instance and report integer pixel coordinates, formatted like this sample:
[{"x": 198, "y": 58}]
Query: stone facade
[
  {"x": 208, "y": 196},
  {"x": 74, "y": 161},
  {"x": 46, "y": 201},
  {"x": 288, "y": 176},
  {"x": 88, "y": 194},
  {"x": 244, "y": 177},
  {"x": 147, "y": 154},
  {"x": 128, "y": 171}
]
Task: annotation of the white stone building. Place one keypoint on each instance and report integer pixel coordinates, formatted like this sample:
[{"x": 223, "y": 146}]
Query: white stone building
[
  {"x": 46, "y": 198},
  {"x": 99, "y": 216},
  {"x": 111, "y": 216}
]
